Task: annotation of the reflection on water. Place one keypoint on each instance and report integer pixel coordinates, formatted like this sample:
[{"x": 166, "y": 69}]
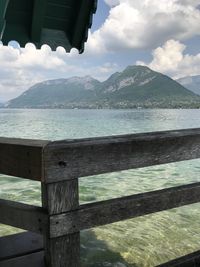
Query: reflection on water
[{"x": 144, "y": 241}]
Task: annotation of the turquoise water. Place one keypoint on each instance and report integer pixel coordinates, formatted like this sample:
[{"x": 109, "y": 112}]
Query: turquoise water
[{"x": 144, "y": 241}]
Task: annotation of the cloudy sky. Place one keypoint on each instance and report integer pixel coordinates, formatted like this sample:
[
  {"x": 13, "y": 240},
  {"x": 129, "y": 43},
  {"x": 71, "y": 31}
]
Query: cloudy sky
[{"x": 162, "y": 34}]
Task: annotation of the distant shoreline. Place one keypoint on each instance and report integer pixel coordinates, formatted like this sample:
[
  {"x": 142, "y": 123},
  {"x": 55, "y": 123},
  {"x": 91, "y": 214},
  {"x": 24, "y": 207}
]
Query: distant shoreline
[{"x": 108, "y": 108}]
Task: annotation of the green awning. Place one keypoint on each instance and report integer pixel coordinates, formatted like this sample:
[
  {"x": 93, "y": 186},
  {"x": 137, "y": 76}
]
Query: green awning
[{"x": 53, "y": 22}]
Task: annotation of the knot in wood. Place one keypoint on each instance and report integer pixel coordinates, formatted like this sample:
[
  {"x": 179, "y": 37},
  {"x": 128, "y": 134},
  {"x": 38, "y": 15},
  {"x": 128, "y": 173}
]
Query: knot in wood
[{"x": 62, "y": 163}]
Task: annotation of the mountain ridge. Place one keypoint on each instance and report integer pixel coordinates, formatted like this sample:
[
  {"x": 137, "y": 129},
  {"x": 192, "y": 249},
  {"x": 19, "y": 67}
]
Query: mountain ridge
[{"x": 134, "y": 87}]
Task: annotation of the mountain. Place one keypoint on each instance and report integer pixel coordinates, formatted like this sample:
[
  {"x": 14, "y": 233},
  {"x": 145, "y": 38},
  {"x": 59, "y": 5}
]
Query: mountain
[
  {"x": 136, "y": 86},
  {"x": 191, "y": 82},
  {"x": 140, "y": 86},
  {"x": 57, "y": 93}
]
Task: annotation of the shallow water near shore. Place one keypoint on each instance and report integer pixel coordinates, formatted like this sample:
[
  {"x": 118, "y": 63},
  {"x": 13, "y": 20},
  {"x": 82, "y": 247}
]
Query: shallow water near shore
[{"x": 144, "y": 241}]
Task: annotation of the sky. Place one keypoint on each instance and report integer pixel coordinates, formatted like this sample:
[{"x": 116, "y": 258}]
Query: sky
[{"x": 161, "y": 34}]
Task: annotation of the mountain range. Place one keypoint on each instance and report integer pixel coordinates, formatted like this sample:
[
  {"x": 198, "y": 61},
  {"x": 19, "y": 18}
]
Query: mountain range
[{"x": 136, "y": 86}]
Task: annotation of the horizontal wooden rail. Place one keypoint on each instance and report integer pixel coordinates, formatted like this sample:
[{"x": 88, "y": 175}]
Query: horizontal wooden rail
[
  {"x": 21, "y": 157},
  {"x": 23, "y": 216},
  {"x": 63, "y": 160},
  {"x": 18, "y": 245},
  {"x": 77, "y": 158},
  {"x": 30, "y": 260},
  {"x": 110, "y": 211}
]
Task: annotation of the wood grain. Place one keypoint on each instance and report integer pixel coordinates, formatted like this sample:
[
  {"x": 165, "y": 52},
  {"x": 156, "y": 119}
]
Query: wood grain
[
  {"x": 77, "y": 158},
  {"x": 63, "y": 251},
  {"x": 23, "y": 216},
  {"x": 110, "y": 211},
  {"x": 30, "y": 260},
  {"x": 60, "y": 197},
  {"x": 18, "y": 245},
  {"x": 21, "y": 157}
]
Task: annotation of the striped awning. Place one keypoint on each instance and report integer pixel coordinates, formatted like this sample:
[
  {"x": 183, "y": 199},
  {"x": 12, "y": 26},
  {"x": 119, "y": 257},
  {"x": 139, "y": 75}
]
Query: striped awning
[{"x": 53, "y": 22}]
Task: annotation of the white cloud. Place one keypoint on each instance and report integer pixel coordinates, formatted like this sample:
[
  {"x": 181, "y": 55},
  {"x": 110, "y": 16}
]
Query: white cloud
[
  {"x": 146, "y": 24},
  {"x": 171, "y": 60},
  {"x": 44, "y": 58},
  {"x": 21, "y": 68}
]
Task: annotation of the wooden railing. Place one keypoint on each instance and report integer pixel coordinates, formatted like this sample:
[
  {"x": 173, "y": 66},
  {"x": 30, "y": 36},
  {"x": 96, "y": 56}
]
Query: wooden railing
[{"x": 58, "y": 165}]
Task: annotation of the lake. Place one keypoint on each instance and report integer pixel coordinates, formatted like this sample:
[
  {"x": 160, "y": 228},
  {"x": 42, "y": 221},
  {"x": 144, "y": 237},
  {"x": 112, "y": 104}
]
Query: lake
[{"x": 145, "y": 241}]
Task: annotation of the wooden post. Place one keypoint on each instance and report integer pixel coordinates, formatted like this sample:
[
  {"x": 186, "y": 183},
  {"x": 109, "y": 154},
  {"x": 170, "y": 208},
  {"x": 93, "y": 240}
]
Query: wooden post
[{"x": 58, "y": 198}]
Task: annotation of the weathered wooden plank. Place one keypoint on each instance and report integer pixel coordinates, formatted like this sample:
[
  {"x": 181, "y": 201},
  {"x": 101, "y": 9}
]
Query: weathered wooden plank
[
  {"x": 110, "y": 211},
  {"x": 64, "y": 251},
  {"x": 77, "y": 158},
  {"x": 19, "y": 245},
  {"x": 60, "y": 197},
  {"x": 31, "y": 260},
  {"x": 23, "y": 216},
  {"x": 23, "y": 142},
  {"x": 190, "y": 260},
  {"x": 57, "y": 198},
  {"x": 21, "y": 157}
]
